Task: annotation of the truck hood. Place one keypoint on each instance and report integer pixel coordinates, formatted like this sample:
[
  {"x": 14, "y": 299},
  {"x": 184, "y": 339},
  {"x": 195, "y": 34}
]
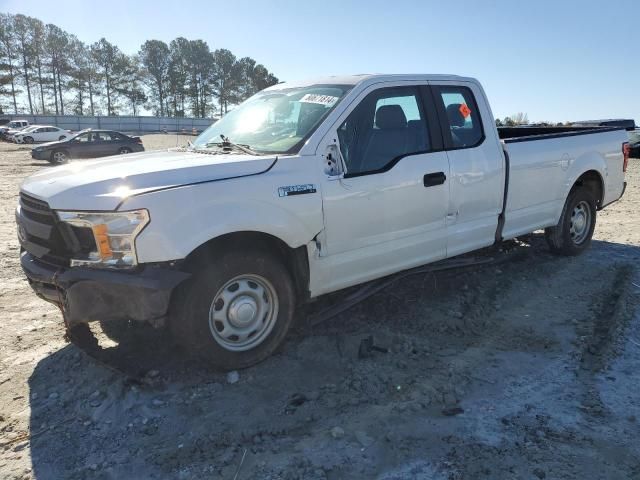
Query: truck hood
[{"x": 103, "y": 184}]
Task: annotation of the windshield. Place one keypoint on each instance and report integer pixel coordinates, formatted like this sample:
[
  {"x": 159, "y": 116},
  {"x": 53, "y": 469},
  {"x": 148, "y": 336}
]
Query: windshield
[{"x": 275, "y": 121}]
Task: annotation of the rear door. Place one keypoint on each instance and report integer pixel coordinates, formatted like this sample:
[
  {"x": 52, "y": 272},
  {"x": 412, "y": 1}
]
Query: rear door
[
  {"x": 388, "y": 212},
  {"x": 104, "y": 146},
  {"x": 119, "y": 140},
  {"x": 55, "y": 133},
  {"x": 42, "y": 134},
  {"x": 477, "y": 165},
  {"x": 49, "y": 134}
]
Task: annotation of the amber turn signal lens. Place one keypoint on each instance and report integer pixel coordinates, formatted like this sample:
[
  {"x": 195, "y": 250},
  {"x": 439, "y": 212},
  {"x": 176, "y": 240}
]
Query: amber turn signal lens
[{"x": 102, "y": 240}]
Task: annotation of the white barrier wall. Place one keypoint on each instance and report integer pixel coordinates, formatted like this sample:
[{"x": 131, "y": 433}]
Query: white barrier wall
[{"x": 123, "y": 123}]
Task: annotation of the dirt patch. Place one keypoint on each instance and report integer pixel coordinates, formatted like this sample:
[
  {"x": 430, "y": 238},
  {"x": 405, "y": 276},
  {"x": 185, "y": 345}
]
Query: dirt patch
[{"x": 523, "y": 369}]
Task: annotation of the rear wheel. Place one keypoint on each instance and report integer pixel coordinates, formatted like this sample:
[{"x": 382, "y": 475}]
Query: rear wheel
[
  {"x": 28, "y": 139},
  {"x": 59, "y": 157},
  {"x": 124, "y": 150},
  {"x": 235, "y": 311},
  {"x": 572, "y": 235}
]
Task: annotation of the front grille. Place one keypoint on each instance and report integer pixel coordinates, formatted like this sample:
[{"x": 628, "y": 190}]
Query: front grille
[
  {"x": 34, "y": 204},
  {"x": 44, "y": 237}
]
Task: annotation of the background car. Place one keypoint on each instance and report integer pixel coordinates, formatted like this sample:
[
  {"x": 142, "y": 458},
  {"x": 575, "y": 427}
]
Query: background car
[
  {"x": 634, "y": 143},
  {"x": 88, "y": 144},
  {"x": 12, "y": 127},
  {"x": 10, "y": 135},
  {"x": 41, "y": 133}
]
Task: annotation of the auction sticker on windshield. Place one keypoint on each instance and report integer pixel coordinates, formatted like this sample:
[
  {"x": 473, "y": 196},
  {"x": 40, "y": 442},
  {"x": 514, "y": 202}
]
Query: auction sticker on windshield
[{"x": 320, "y": 99}]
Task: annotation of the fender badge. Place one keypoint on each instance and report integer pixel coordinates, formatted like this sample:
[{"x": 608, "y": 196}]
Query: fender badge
[{"x": 296, "y": 190}]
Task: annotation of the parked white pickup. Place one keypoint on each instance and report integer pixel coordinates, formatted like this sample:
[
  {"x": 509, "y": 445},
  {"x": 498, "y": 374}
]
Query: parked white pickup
[{"x": 302, "y": 190}]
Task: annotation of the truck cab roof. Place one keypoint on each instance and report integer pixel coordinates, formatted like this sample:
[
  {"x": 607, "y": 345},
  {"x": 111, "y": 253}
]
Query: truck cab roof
[{"x": 368, "y": 78}]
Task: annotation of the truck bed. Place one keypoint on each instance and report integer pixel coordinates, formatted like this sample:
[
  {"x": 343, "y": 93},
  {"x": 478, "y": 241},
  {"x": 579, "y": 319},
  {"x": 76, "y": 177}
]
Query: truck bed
[
  {"x": 540, "y": 173},
  {"x": 524, "y": 134}
]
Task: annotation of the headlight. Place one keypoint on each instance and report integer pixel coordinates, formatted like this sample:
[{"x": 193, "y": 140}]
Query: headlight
[{"x": 114, "y": 233}]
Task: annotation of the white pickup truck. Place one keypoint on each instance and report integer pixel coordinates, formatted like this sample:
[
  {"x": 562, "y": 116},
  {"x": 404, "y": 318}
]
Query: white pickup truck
[{"x": 304, "y": 189}]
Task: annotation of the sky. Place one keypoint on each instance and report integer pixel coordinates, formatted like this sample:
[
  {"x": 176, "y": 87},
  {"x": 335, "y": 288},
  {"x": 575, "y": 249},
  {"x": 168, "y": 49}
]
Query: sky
[{"x": 554, "y": 60}]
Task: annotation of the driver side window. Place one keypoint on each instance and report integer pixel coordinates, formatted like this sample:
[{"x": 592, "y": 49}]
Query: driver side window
[{"x": 386, "y": 126}]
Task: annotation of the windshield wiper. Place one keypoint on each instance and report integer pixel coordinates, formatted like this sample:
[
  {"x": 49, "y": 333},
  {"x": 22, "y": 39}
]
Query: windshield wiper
[{"x": 226, "y": 143}]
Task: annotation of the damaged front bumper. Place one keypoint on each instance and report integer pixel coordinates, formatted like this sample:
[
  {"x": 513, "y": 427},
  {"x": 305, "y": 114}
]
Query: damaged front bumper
[{"x": 87, "y": 294}]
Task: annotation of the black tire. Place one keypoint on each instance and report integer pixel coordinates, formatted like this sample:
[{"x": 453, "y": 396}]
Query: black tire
[
  {"x": 562, "y": 238},
  {"x": 193, "y": 305},
  {"x": 28, "y": 139},
  {"x": 58, "y": 157},
  {"x": 124, "y": 150},
  {"x": 62, "y": 137}
]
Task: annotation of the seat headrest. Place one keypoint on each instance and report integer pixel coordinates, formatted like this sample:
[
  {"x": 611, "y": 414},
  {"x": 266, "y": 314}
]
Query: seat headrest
[
  {"x": 456, "y": 119},
  {"x": 390, "y": 116}
]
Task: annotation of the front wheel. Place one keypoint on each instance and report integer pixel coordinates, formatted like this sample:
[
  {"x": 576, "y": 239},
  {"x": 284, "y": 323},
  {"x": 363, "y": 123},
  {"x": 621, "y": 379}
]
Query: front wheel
[
  {"x": 572, "y": 235},
  {"x": 124, "y": 150},
  {"x": 28, "y": 139},
  {"x": 62, "y": 137},
  {"x": 58, "y": 157},
  {"x": 236, "y": 310}
]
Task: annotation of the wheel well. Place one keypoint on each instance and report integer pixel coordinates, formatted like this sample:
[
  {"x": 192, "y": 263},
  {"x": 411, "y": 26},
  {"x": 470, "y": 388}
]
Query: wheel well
[
  {"x": 295, "y": 259},
  {"x": 593, "y": 181}
]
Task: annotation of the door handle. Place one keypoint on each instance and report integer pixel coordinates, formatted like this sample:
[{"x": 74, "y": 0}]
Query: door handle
[{"x": 433, "y": 179}]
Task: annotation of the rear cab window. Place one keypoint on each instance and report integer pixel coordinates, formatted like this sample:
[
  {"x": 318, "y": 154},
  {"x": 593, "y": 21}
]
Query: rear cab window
[{"x": 459, "y": 116}]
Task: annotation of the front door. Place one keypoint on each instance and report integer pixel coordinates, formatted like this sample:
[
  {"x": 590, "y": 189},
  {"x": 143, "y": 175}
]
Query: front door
[
  {"x": 41, "y": 135},
  {"x": 82, "y": 146},
  {"x": 389, "y": 211}
]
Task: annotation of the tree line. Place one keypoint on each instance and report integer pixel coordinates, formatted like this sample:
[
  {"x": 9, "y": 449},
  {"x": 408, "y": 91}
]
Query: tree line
[
  {"x": 46, "y": 70},
  {"x": 522, "y": 118}
]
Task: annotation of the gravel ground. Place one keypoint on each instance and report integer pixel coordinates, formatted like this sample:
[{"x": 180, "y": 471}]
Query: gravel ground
[{"x": 527, "y": 368}]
